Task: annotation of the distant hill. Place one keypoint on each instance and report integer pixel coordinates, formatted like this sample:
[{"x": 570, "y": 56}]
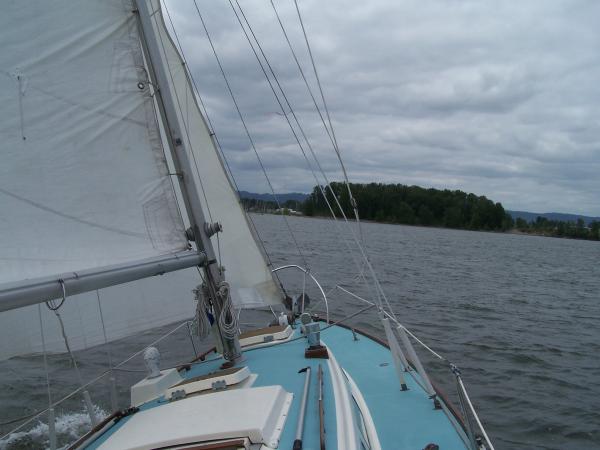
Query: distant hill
[
  {"x": 530, "y": 216},
  {"x": 296, "y": 196}
]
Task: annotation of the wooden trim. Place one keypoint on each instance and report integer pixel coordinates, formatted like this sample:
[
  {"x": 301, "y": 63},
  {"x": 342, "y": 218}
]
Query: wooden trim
[
  {"x": 202, "y": 356},
  {"x": 208, "y": 376},
  {"x": 116, "y": 416},
  {"x": 235, "y": 443},
  {"x": 263, "y": 331}
]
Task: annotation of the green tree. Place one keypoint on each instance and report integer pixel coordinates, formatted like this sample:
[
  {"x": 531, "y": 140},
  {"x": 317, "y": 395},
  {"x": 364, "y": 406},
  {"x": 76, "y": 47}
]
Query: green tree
[
  {"x": 522, "y": 224},
  {"x": 595, "y": 230},
  {"x": 453, "y": 217},
  {"x": 424, "y": 215},
  {"x": 404, "y": 214}
]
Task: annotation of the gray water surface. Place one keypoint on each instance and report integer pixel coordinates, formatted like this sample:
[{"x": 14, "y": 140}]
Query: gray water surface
[{"x": 518, "y": 314}]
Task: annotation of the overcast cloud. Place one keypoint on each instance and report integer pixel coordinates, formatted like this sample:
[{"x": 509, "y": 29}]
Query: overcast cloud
[{"x": 499, "y": 98}]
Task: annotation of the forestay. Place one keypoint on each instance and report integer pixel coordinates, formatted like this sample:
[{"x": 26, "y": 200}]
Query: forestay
[{"x": 245, "y": 266}]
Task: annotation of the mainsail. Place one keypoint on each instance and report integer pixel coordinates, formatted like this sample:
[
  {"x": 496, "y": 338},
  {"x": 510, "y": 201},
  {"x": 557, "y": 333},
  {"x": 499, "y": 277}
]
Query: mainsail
[{"x": 84, "y": 178}]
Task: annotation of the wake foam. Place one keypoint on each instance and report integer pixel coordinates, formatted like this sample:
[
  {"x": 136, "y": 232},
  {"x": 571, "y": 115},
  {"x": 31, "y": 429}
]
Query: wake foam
[{"x": 69, "y": 427}]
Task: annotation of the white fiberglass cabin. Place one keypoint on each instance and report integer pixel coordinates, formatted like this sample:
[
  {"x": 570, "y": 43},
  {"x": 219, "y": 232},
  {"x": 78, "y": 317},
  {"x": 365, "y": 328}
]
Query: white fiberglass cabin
[{"x": 111, "y": 174}]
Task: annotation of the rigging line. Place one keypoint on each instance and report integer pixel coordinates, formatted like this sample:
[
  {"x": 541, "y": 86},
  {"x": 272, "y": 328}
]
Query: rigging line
[
  {"x": 108, "y": 352},
  {"x": 317, "y": 107},
  {"x": 241, "y": 116},
  {"x": 211, "y": 127},
  {"x": 320, "y": 90},
  {"x": 45, "y": 355},
  {"x": 220, "y": 148},
  {"x": 472, "y": 408},
  {"x": 112, "y": 380},
  {"x": 201, "y": 274},
  {"x": 89, "y": 383},
  {"x": 379, "y": 290},
  {"x": 425, "y": 346},
  {"x": 292, "y": 128},
  {"x": 51, "y": 417},
  {"x": 296, "y": 136},
  {"x": 287, "y": 118},
  {"x": 328, "y": 293},
  {"x": 353, "y": 202},
  {"x": 68, "y": 347},
  {"x": 336, "y": 147},
  {"x": 18, "y": 419},
  {"x": 283, "y": 94},
  {"x": 86, "y": 396}
]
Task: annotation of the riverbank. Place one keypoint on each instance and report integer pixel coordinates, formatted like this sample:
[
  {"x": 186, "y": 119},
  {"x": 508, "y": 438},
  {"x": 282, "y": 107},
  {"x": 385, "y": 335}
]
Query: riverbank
[{"x": 516, "y": 231}]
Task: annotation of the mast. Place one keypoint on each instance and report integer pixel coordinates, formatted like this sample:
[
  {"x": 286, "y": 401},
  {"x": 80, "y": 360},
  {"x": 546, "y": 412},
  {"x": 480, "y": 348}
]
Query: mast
[{"x": 159, "y": 77}]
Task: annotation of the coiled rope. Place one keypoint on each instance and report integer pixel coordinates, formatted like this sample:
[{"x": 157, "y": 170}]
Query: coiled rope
[
  {"x": 228, "y": 321},
  {"x": 201, "y": 321}
]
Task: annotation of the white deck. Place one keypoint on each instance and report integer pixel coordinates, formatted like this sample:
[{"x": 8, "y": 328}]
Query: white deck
[{"x": 220, "y": 415}]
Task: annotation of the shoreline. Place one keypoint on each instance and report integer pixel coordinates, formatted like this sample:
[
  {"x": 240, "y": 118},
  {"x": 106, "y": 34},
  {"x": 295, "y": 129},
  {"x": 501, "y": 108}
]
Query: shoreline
[{"x": 513, "y": 231}]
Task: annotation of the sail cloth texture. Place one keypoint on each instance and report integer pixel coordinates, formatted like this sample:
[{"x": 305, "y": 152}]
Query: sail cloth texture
[
  {"x": 127, "y": 309},
  {"x": 83, "y": 177},
  {"x": 246, "y": 271}
]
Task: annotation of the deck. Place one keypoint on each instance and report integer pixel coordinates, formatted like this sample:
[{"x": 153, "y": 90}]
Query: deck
[{"x": 403, "y": 419}]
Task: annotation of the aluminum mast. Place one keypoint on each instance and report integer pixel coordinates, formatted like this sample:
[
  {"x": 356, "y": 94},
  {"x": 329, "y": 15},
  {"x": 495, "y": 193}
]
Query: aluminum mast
[{"x": 159, "y": 77}]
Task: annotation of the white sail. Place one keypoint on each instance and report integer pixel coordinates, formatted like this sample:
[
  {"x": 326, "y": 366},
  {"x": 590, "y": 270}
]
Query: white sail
[
  {"x": 127, "y": 309},
  {"x": 83, "y": 177},
  {"x": 246, "y": 269}
]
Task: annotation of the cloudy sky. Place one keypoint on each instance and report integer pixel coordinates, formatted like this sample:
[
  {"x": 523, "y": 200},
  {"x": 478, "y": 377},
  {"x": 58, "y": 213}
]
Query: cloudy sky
[{"x": 499, "y": 98}]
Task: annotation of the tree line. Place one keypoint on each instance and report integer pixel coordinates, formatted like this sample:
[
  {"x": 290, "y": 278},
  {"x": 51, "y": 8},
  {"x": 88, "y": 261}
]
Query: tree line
[
  {"x": 414, "y": 205},
  {"x": 558, "y": 228},
  {"x": 256, "y": 205},
  {"x": 411, "y": 205}
]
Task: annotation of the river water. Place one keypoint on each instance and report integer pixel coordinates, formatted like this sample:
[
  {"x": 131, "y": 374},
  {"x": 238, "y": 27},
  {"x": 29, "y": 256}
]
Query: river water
[{"x": 519, "y": 315}]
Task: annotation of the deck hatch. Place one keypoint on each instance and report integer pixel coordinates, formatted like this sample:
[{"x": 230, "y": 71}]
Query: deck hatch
[{"x": 254, "y": 413}]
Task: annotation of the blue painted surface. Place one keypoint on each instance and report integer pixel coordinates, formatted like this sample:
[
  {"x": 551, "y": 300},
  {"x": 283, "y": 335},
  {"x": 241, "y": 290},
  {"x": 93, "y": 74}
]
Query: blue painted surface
[{"x": 404, "y": 420}]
